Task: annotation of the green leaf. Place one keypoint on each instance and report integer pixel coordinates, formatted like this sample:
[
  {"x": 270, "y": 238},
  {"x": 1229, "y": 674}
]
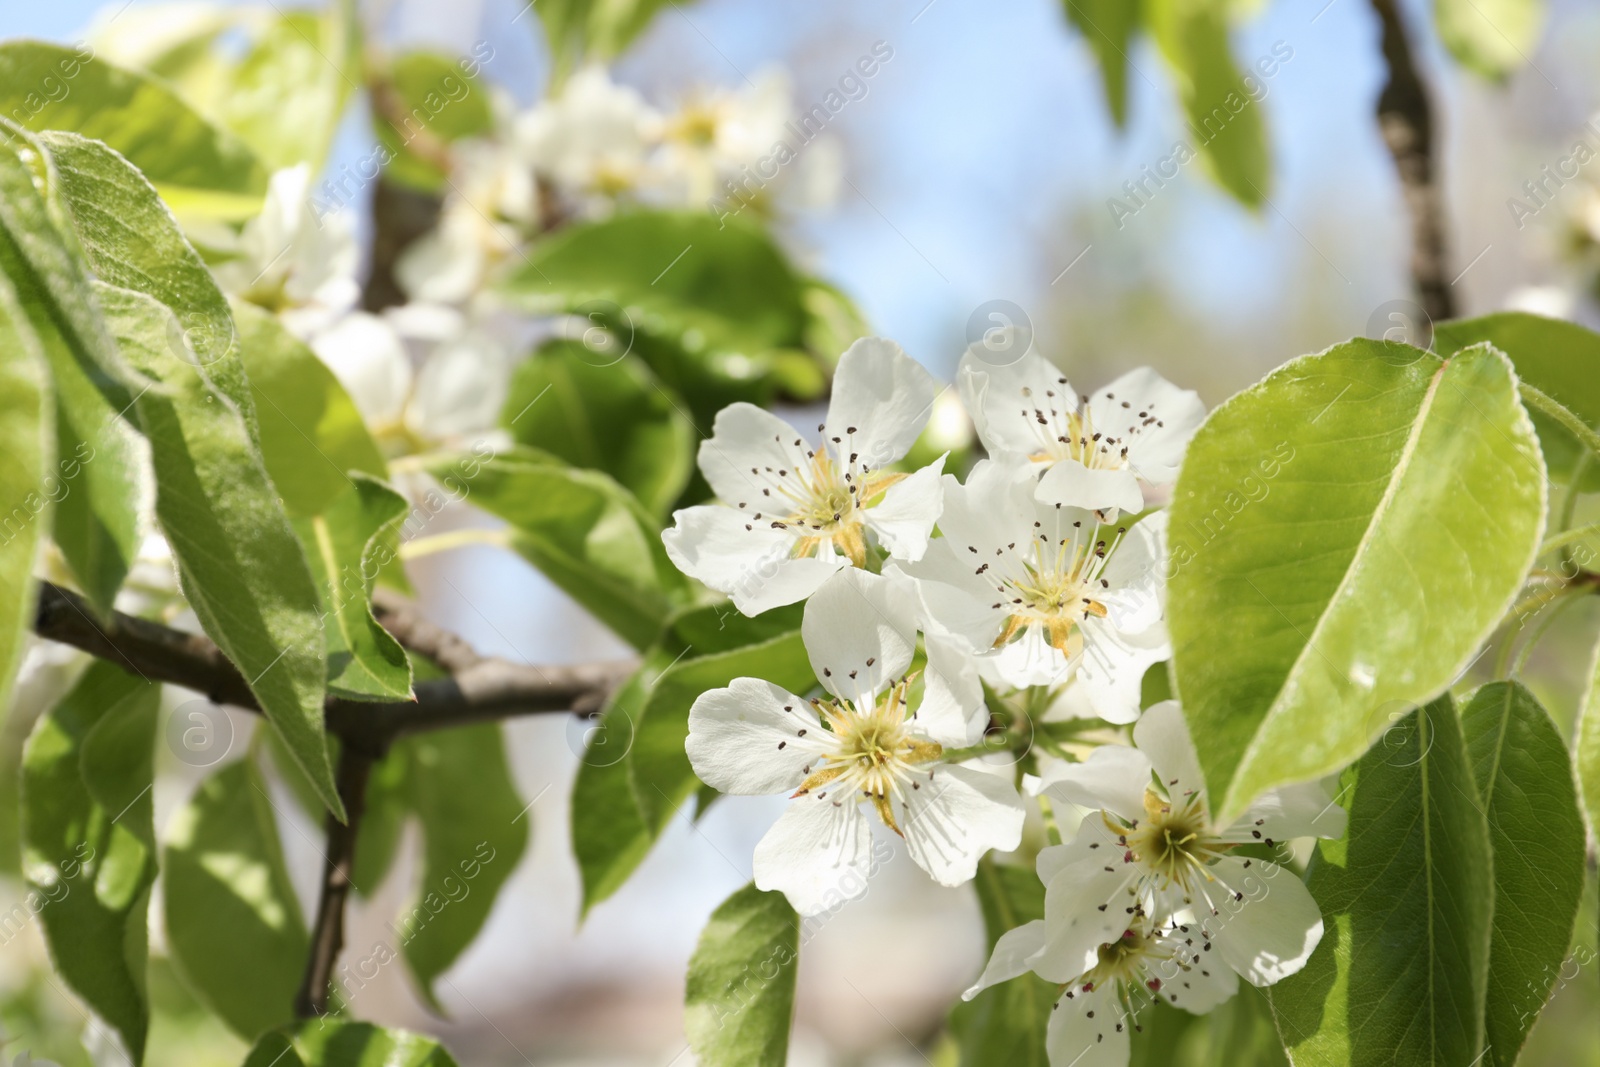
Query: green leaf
[
  {"x": 382, "y": 823},
  {"x": 710, "y": 304},
  {"x": 1406, "y": 899},
  {"x": 1239, "y": 1031},
  {"x": 439, "y": 103},
  {"x": 233, "y": 923},
  {"x": 331, "y": 1043},
  {"x": 1490, "y": 37},
  {"x": 1006, "y": 1023},
  {"x": 612, "y": 416},
  {"x": 1586, "y": 747},
  {"x": 739, "y": 997},
  {"x": 1344, "y": 535},
  {"x": 596, "y": 29},
  {"x": 1556, "y": 357},
  {"x": 662, "y": 777},
  {"x": 346, "y": 547},
  {"x": 1536, "y": 835},
  {"x": 586, "y": 533},
  {"x": 1225, "y": 124},
  {"x": 474, "y": 829},
  {"x": 312, "y": 435},
  {"x": 240, "y": 564},
  {"x": 26, "y": 442},
  {"x": 1108, "y": 27},
  {"x": 197, "y": 167},
  {"x": 89, "y": 841}
]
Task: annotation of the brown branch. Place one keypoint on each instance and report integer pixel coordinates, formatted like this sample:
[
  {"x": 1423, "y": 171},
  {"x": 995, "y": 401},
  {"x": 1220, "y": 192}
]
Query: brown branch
[
  {"x": 1405, "y": 117},
  {"x": 480, "y": 688},
  {"x": 327, "y": 933}
]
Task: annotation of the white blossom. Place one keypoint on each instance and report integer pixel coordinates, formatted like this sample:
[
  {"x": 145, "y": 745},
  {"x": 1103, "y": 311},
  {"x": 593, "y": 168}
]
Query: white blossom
[
  {"x": 1094, "y": 451},
  {"x": 792, "y": 512},
  {"x": 591, "y": 142},
  {"x": 868, "y": 741}
]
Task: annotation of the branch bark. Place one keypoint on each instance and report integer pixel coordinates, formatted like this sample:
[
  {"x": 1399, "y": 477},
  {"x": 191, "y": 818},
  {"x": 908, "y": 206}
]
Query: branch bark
[
  {"x": 327, "y": 933},
  {"x": 1405, "y": 116},
  {"x": 479, "y": 689}
]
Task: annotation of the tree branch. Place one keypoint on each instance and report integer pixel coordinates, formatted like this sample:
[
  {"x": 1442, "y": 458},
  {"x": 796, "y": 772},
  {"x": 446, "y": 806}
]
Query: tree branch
[
  {"x": 327, "y": 933},
  {"x": 1406, "y": 120},
  {"x": 479, "y": 689}
]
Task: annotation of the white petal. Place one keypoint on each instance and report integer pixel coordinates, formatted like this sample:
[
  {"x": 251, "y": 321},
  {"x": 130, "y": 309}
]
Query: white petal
[
  {"x": 1087, "y": 1029},
  {"x": 881, "y": 401},
  {"x": 1162, "y": 733},
  {"x": 1086, "y": 901},
  {"x": 747, "y": 450},
  {"x": 905, "y": 518},
  {"x": 1194, "y": 980},
  {"x": 1136, "y": 575},
  {"x": 818, "y": 854},
  {"x": 753, "y": 738},
  {"x": 953, "y": 814},
  {"x": 1073, "y": 485},
  {"x": 1266, "y": 924},
  {"x": 993, "y": 509},
  {"x": 1154, "y": 451},
  {"x": 1303, "y": 810},
  {"x": 952, "y": 711},
  {"x": 366, "y": 356},
  {"x": 1014, "y": 954},
  {"x": 1002, "y": 397},
  {"x": 954, "y": 600},
  {"x": 461, "y": 389},
  {"x": 860, "y": 630},
  {"x": 711, "y": 544},
  {"x": 1029, "y": 659},
  {"x": 1109, "y": 679},
  {"x": 1114, "y": 778}
]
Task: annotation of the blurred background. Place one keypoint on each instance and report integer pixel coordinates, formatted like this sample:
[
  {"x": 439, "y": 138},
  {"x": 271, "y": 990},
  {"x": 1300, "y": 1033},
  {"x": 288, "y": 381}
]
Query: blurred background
[{"x": 979, "y": 165}]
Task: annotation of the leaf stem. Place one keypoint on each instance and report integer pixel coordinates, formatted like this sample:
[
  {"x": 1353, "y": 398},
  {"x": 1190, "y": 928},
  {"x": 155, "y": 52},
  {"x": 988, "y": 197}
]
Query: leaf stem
[
  {"x": 1548, "y": 405},
  {"x": 472, "y": 535}
]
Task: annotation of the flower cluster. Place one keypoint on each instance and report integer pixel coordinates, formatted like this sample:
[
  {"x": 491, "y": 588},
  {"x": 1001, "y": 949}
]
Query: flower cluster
[{"x": 1036, "y": 581}]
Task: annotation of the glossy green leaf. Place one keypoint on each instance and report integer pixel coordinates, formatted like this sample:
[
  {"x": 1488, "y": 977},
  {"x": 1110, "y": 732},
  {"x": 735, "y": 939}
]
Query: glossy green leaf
[
  {"x": 333, "y": 1043},
  {"x": 1536, "y": 835},
  {"x": 1559, "y": 358},
  {"x": 1406, "y": 899},
  {"x": 1239, "y": 1031},
  {"x": 346, "y": 546},
  {"x": 233, "y": 923},
  {"x": 1005, "y": 1024},
  {"x": 241, "y": 566},
  {"x": 474, "y": 829},
  {"x": 586, "y": 533},
  {"x": 739, "y": 998},
  {"x": 1490, "y": 37},
  {"x": 27, "y": 443},
  {"x": 1344, "y": 535},
  {"x": 1226, "y": 125},
  {"x": 312, "y": 435},
  {"x": 662, "y": 777},
  {"x": 709, "y": 303},
  {"x": 196, "y": 166},
  {"x": 89, "y": 841},
  {"x": 433, "y": 101},
  {"x": 604, "y": 413},
  {"x": 1108, "y": 28}
]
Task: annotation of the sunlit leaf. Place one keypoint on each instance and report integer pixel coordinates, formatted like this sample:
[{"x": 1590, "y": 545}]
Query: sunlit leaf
[
  {"x": 335, "y": 1043},
  {"x": 1491, "y": 37},
  {"x": 739, "y": 999},
  {"x": 28, "y": 445}
]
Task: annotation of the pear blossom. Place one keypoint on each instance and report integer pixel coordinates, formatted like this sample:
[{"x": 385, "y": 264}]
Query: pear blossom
[
  {"x": 1149, "y": 846},
  {"x": 295, "y": 258},
  {"x": 1098, "y": 1009},
  {"x": 870, "y": 740},
  {"x": 591, "y": 142},
  {"x": 1046, "y": 594},
  {"x": 792, "y": 513},
  {"x": 1093, "y": 451},
  {"x": 716, "y": 134}
]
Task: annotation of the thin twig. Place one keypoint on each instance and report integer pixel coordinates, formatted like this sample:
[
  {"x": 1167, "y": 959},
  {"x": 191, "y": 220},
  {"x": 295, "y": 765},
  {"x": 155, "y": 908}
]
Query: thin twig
[
  {"x": 327, "y": 933},
  {"x": 1405, "y": 117}
]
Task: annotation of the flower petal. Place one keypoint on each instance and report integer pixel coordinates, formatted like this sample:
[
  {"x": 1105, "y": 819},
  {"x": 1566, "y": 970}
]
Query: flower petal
[
  {"x": 1265, "y": 923},
  {"x": 1110, "y": 674},
  {"x": 1087, "y": 902},
  {"x": 881, "y": 401},
  {"x": 1194, "y": 980},
  {"x": 1113, "y": 778},
  {"x": 366, "y": 356},
  {"x": 1029, "y": 659},
  {"x": 1303, "y": 810},
  {"x": 1087, "y": 1029},
  {"x": 1153, "y": 417},
  {"x": 818, "y": 854},
  {"x": 953, "y": 814},
  {"x": 954, "y": 600},
  {"x": 749, "y": 561},
  {"x": 905, "y": 518},
  {"x": 750, "y": 457},
  {"x": 1162, "y": 734},
  {"x": 1073, "y": 485},
  {"x": 1002, "y": 398},
  {"x": 952, "y": 711},
  {"x": 860, "y": 630},
  {"x": 1014, "y": 954},
  {"x": 1136, "y": 576},
  {"x": 753, "y": 738}
]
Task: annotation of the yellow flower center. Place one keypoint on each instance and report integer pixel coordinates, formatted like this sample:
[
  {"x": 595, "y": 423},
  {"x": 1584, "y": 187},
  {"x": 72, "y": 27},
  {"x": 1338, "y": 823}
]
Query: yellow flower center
[
  {"x": 1174, "y": 842},
  {"x": 873, "y": 751},
  {"x": 1056, "y": 588}
]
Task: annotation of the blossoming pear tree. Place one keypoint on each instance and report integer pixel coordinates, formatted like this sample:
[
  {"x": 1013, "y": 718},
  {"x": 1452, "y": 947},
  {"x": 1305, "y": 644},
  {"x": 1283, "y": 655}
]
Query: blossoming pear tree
[{"x": 1220, "y": 715}]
